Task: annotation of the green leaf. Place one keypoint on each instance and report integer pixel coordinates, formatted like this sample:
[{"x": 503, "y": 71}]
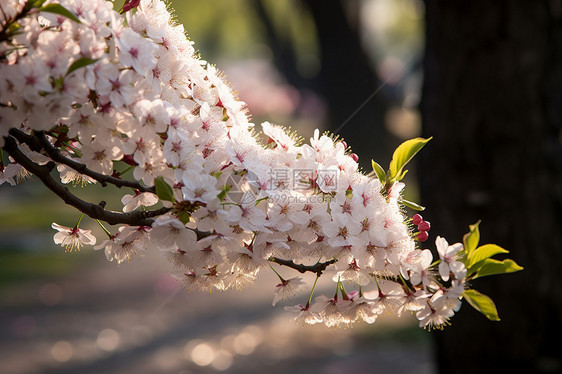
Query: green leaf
[
  {"x": 483, "y": 252},
  {"x": 59, "y": 9},
  {"x": 184, "y": 217},
  {"x": 224, "y": 192},
  {"x": 58, "y": 83},
  {"x": 32, "y": 4},
  {"x": 482, "y": 303},
  {"x": 163, "y": 190},
  {"x": 493, "y": 267},
  {"x": 402, "y": 155},
  {"x": 379, "y": 171},
  {"x": 412, "y": 205},
  {"x": 216, "y": 174},
  {"x": 471, "y": 239},
  {"x": 80, "y": 63}
]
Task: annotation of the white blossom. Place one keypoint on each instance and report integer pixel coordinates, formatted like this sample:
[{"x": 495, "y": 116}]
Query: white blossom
[
  {"x": 449, "y": 263},
  {"x": 72, "y": 238}
]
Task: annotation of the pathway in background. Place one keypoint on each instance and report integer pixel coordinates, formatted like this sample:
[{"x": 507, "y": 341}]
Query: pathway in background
[{"x": 104, "y": 318}]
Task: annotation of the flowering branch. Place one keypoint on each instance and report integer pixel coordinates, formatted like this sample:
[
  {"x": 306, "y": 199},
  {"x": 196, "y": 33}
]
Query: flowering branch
[
  {"x": 317, "y": 268},
  {"x": 117, "y": 86},
  {"x": 95, "y": 211},
  {"x": 40, "y": 142},
  {"x": 9, "y": 21}
]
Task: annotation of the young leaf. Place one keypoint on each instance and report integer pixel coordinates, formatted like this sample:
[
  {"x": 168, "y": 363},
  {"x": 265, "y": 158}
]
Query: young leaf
[
  {"x": 379, "y": 171},
  {"x": 412, "y": 205},
  {"x": 483, "y": 252},
  {"x": 163, "y": 190},
  {"x": 59, "y": 9},
  {"x": 224, "y": 192},
  {"x": 32, "y": 4},
  {"x": 482, "y": 303},
  {"x": 492, "y": 267},
  {"x": 184, "y": 217},
  {"x": 402, "y": 155},
  {"x": 471, "y": 239},
  {"x": 216, "y": 174},
  {"x": 80, "y": 63}
]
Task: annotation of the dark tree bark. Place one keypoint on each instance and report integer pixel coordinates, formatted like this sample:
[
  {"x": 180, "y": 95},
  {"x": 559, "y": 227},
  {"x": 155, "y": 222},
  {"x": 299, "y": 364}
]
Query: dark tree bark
[{"x": 492, "y": 98}]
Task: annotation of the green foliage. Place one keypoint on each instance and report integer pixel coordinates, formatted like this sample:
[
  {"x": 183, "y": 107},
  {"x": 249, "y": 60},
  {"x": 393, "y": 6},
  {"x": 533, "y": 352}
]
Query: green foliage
[
  {"x": 60, "y": 10},
  {"x": 482, "y": 253},
  {"x": 412, "y": 205},
  {"x": 163, "y": 190},
  {"x": 224, "y": 192},
  {"x": 471, "y": 239},
  {"x": 479, "y": 263},
  {"x": 490, "y": 266},
  {"x": 396, "y": 172},
  {"x": 216, "y": 174},
  {"x": 482, "y": 303},
  {"x": 80, "y": 63},
  {"x": 184, "y": 217},
  {"x": 33, "y": 4},
  {"x": 402, "y": 155},
  {"x": 379, "y": 171},
  {"x": 478, "y": 260}
]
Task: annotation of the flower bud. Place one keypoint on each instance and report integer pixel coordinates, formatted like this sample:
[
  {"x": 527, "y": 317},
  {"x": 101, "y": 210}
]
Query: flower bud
[
  {"x": 424, "y": 226},
  {"x": 130, "y": 5},
  {"x": 417, "y": 219},
  {"x": 422, "y": 236},
  {"x": 129, "y": 160}
]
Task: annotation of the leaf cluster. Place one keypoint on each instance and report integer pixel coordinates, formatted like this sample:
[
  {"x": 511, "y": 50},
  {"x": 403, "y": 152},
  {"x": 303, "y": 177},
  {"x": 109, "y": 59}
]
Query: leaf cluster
[
  {"x": 479, "y": 263},
  {"x": 396, "y": 172}
]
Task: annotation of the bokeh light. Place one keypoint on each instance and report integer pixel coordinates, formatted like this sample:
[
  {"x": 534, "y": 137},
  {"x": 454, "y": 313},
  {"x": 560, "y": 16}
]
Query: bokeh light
[
  {"x": 62, "y": 351},
  {"x": 108, "y": 340}
]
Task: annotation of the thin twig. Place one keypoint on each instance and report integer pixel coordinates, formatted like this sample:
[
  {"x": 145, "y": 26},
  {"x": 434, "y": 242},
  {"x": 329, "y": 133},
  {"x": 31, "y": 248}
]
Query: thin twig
[
  {"x": 3, "y": 32},
  {"x": 95, "y": 211},
  {"x": 317, "y": 268}
]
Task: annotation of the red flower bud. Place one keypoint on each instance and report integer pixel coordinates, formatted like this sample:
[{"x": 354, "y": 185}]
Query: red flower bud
[
  {"x": 424, "y": 226},
  {"x": 417, "y": 219},
  {"x": 129, "y": 160},
  {"x": 130, "y": 5},
  {"x": 354, "y": 157},
  {"x": 422, "y": 236}
]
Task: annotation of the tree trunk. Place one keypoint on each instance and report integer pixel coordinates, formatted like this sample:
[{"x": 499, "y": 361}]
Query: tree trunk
[
  {"x": 345, "y": 81},
  {"x": 347, "y": 78},
  {"x": 492, "y": 97}
]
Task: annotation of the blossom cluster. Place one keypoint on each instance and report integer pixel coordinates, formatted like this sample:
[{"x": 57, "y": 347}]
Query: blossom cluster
[{"x": 103, "y": 87}]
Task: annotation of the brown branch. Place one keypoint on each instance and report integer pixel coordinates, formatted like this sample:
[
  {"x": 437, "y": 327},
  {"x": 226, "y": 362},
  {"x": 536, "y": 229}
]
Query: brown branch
[
  {"x": 317, "y": 268},
  {"x": 3, "y": 32},
  {"x": 95, "y": 211},
  {"x": 40, "y": 142}
]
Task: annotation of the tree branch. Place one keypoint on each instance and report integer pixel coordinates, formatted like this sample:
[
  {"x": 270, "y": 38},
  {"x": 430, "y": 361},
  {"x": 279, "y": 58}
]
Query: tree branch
[
  {"x": 317, "y": 268},
  {"x": 40, "y": 142},
  {"x": 95, "y": 211},
  {"x": 3, "y": 32}
]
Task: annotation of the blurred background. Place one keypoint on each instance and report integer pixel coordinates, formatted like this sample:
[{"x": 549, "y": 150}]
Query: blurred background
[{"x": 482, "y": 77}]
